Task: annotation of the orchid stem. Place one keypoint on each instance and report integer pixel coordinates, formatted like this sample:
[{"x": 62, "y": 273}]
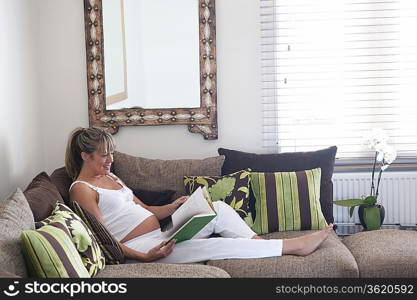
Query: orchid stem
[
  {"x": 373, "y": 173},
  {"x": 377, "y": 187}
]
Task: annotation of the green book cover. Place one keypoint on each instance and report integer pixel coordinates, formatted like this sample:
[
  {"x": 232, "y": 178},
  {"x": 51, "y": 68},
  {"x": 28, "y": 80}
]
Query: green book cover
[{"x": 191, "y": 228}]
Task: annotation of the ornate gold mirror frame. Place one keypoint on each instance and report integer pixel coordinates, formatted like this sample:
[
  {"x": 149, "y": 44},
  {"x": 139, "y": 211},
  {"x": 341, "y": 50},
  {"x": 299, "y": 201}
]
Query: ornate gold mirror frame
[{"x": 201, "y": 119}]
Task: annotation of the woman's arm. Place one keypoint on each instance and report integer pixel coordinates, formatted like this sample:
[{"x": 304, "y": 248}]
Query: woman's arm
[
  {"x": 161, "y": 212},
  {"x": 88, "y": 199}
]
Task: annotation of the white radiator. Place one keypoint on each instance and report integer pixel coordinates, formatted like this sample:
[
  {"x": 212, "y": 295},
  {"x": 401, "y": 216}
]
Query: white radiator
[{"x": 397, "y": 193}]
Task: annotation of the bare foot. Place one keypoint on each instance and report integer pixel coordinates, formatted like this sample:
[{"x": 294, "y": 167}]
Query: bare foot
[
  {"x": 257, "y": 237},
  {"x": 304, "y": 245}
]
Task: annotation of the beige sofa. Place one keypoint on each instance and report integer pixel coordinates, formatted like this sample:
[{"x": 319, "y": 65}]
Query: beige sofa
[{"x": 382, "y": 253}]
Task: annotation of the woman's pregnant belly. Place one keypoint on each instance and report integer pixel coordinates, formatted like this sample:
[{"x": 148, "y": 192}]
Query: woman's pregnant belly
[{"x": 151, "y": 223}]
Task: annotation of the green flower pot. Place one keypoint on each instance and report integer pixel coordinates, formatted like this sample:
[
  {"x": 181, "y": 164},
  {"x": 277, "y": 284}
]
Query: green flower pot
[{"x": 361, "y": 215}]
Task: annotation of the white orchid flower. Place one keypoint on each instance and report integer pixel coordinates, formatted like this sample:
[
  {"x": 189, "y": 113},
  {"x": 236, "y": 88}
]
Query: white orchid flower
[
  {"x": 390, "y": 154},
  {"x": 387, "y": 156},
  {"x": 381, "y": 150},
  {"x": 380, "y": 156},
  {"x": 381, "y": 147},
  {"x": 376, "y": 138}
]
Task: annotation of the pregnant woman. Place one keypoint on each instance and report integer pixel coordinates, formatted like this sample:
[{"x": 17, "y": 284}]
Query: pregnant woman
[{"x": 135, "y": 226}]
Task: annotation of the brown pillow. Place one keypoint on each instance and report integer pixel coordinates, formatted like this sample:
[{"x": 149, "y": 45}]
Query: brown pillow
[
  {"x": 42, "y": 196},
  {"x": 154, "y": 198},
  {"x": 109, "y": 246},
  {"x": 62, "y": 181},
  {"x": 159, "y": 175},
  {"x": 287, "y": 162}
]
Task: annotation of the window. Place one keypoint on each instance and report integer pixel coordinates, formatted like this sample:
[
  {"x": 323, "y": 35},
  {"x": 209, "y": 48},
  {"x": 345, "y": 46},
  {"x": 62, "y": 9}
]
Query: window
[{"x": 332, "y": 70}]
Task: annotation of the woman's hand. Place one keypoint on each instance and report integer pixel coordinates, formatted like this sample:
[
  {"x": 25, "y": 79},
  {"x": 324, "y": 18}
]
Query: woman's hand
[
  {"x": 161, "y": 212},
  {"x": 160, "y": 251},
  {"x": 177, "y": 203}
]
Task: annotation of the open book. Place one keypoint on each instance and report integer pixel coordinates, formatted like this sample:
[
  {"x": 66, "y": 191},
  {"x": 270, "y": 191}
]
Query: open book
[{"x": 191, "y": 216}]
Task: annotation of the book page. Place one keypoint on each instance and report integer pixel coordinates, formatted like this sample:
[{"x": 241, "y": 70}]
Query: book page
[{"x": 196, "y": 204}]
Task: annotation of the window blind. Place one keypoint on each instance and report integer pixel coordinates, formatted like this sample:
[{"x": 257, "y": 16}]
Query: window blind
[{"x": 332, "y": 70}]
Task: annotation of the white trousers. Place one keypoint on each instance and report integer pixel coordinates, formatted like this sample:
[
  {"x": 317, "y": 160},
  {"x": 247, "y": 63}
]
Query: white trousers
[{"x": 236, "y": 241}]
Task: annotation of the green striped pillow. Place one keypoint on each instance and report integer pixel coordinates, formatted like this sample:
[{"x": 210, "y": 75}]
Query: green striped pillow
[
  {"x": 287, "y": 201},
  {"x": 50, "y": 253},
  {"x": 84, "y": 241}
]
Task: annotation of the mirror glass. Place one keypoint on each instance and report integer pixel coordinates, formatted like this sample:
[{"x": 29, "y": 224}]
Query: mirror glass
[{"x": 151, "y": 53}]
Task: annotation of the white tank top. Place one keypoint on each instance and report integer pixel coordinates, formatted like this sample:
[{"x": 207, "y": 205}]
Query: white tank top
[{"x": 120, "y": 212}]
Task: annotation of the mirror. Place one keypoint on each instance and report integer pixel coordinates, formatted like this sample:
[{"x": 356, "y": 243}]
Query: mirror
[
  {"x": 152, "y": 62},
  {"x": 137, "y": 51}
]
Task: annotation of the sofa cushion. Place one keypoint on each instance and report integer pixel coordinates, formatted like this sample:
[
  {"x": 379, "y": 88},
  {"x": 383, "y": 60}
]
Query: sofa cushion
[
  {"x": 65, "y": 219},
  {"x": 42, "y": 196},
  {"x": 287, "y": 162},
  {"x": 232, "y": 189},
  {"x": 385, "y": 253},
  {"x": 62, "y": 181},
  {"x": 50, "y": 253},
  {"x": 160, "y": 270},
  {"x": 108, "y": 244},
  {"x": 4, "y": 274},
  {"x": 331, "y": 259},
  {"x": 287, "y": 201},
  {"x": 15, "y": 216},
  {"x": 158, "y": 175}
]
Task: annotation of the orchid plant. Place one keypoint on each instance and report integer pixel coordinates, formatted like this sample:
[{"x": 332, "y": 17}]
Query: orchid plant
[{"x": 385, "y": 154}]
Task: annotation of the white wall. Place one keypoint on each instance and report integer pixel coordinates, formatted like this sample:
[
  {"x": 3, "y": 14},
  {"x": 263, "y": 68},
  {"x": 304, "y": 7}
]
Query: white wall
[
  {"x": 20, "y": 121},
  {"x": 64, "y": 90},
  {"x": 63, "y": 86}
]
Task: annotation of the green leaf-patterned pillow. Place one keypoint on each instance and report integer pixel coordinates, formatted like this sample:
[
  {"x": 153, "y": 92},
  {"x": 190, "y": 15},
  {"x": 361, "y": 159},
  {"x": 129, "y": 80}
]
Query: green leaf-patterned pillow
[
  {"x": 232, "y": 189},
  {"x": 84, "y": 241}
]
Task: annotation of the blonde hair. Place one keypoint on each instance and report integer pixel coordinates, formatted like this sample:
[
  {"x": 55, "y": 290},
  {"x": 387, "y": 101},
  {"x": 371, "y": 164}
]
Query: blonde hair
[{"x": 85, "y": 140}]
